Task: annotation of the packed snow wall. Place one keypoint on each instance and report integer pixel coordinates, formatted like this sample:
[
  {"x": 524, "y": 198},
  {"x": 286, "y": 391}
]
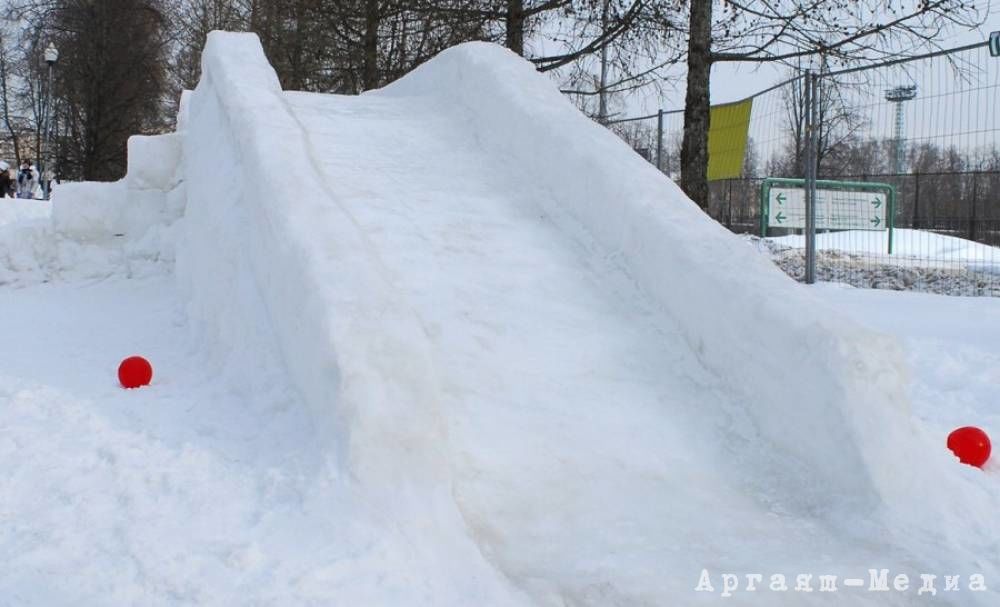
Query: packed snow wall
[
  {"x": 91, "y": 228},
  {"x": 266, "y": 245},
  {"x": 151, "y": 194},
  {"x": 822, "y": 402},
  {"x": 272, "y": 264}
]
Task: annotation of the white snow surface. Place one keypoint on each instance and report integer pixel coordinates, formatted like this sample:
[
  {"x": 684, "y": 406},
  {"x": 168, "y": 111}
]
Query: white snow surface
[
  {"x": 87, "y": 232},
  {"x": 463, "y": 348},
  {"x": 952, "y": 345},
  {"x": 13, "y": 210},
  {"x": 907, "y": 243}
]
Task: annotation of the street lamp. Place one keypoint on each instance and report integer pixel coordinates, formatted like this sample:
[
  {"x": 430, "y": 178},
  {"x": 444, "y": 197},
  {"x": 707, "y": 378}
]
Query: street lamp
[
  {"x": 51, "y": 54},
  {"x": 51, "y": 57}
]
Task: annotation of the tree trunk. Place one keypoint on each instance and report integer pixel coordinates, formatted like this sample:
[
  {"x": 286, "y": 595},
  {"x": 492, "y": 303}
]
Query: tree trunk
[
  {"x": 369, "y": 77},
  {"x": 515, "y": 26},
  {"x": 295, "y": 53},
  {"x": 694, "y": 148}
]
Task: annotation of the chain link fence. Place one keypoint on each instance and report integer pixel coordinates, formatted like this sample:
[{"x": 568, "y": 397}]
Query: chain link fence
[{"x": 925, "y": 127}]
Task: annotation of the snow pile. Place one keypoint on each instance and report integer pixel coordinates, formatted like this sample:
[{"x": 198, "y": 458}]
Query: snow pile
[
  {"x": 830, "y": 410},
  {"x": 821, "y": 430}
]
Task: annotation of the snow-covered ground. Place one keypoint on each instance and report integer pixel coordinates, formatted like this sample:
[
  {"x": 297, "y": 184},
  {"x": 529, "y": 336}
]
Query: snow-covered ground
[
  {"x": 927, "y": 247},
  {"x": 860, "y": 257},
  {"x": 186, "y": 492},
  {"x": 952, "y": 346},
  {"x": 480, "y": 354},
  {"x": 207, "y": 488},
  {"x": 203, "y": 490},
  {"x": 924, "y": 261}
]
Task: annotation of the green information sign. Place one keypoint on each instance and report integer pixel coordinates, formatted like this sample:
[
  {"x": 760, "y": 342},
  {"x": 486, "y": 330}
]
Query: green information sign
[{"x": 840, "y": 205}]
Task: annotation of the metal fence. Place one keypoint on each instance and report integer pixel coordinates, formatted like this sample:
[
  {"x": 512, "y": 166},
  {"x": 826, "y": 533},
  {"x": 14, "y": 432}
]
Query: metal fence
[{"x": 927, "y": 126}]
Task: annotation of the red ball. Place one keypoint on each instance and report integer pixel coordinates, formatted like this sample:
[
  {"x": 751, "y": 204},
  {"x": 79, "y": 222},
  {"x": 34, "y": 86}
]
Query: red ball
[
  {"x": 135, "y": 371},
  {"x": 971, "y": 445}
]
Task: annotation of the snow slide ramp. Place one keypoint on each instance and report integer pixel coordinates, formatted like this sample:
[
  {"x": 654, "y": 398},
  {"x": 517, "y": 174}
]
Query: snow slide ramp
[
  {"x": 529, "y": 351},
  {"x": 267, "y": 257}
]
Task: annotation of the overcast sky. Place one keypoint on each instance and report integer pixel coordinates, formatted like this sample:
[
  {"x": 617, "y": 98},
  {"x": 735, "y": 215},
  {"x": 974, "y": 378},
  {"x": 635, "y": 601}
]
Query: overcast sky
[{"x": 733, "y": 81}]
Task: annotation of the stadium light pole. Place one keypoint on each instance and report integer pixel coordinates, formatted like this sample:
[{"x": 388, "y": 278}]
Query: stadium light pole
[
  {"x": 898, "y": 96},
  {"x": 51, "y": 57}
]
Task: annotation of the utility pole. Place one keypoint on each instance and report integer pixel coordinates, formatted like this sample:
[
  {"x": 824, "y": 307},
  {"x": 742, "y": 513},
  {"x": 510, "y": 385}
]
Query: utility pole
[
  {"x": 812, "y": 140},
  {"x": 659, "y": 140},
  {"x": 602, "y": 111}
]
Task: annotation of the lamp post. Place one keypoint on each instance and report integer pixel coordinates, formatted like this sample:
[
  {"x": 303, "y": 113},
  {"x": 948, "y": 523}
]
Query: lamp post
[{"x": 51, "y": 57}]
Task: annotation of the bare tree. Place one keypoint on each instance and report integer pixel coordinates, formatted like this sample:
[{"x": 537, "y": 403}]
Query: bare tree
[
  {"x": 111, "y": 80},
  {"x": 839, "y": 125},
  {"x": 191, "y": 21},
  {"x": 635, "y": 54},
  {"x": 640, "y": 136},
  {"x": 348, "y": 46},
  {"x": 11, "y": 124},
  {"x": 858, "y": 31}
]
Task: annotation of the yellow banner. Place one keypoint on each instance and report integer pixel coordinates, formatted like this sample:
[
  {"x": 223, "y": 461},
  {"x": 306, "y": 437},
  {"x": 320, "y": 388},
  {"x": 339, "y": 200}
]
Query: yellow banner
[{"x": 727, "y": 139}]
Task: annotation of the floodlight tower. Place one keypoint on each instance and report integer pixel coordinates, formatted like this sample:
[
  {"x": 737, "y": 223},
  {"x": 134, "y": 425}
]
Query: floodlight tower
[{"x": 900, "y": 95}]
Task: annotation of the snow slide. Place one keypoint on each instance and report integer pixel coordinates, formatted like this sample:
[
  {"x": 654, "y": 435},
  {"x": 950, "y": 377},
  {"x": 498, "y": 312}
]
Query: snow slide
[
  {"x": 535, "y": 372},
  {"x": 492, "y": 295}
]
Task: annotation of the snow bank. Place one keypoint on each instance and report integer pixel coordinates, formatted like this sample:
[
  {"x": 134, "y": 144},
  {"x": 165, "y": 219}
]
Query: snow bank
[
  {"x": 826, "y": 396},
  {"x": 274, "y": 249},
  {"x": 920, "y": 244}
]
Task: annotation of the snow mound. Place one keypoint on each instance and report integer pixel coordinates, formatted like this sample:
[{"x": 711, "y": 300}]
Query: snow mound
[
  {"x": 820, "y": 404},
  {"x": 826, "y": 396}
]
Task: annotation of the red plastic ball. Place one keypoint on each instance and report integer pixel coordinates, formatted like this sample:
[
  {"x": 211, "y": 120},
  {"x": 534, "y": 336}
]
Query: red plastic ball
[
  {"x": 971, "y": 445},
  {"x": 134, "y": 372}
]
